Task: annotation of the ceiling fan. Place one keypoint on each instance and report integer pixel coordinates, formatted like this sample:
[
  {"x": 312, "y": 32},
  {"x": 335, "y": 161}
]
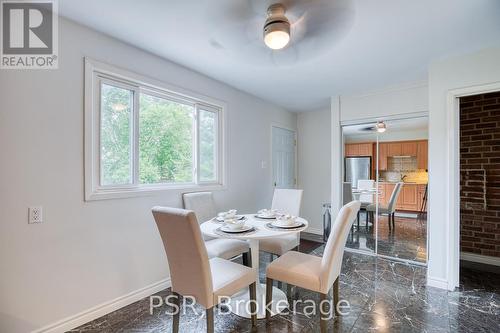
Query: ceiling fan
[
  {"x": 284, "y": 31},
  {"x": 380, "y": 127}
]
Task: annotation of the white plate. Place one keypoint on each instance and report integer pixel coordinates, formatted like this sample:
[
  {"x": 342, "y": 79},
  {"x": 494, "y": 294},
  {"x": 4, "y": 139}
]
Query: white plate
[
  {"x": 286, "y": 225},
  {"x": 267, "y": 217},
  {"x": 246, "y": 227}
]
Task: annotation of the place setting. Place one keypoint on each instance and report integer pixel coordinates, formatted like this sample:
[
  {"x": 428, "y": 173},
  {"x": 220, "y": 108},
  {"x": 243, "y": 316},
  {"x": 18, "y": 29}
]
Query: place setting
[
  {"x": 231, "y": 214},
  {"x": 232, "y": 224},
  {"x": 285, "y": 222},
  {"x": 267, "y": 214}
]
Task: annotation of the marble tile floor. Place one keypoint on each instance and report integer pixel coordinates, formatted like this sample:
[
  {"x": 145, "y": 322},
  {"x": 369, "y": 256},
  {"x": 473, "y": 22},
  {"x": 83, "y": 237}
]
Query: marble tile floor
[
  {"x": 385, "y": 296},
  {"x": 407, "y": 241}
]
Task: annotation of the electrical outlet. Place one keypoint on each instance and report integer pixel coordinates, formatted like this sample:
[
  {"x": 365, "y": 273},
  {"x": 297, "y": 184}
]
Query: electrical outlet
[{"x": 35, "y": 214}]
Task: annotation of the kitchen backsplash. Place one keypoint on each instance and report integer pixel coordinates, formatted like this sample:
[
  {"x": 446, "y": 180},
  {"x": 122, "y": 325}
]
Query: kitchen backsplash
[{"x": 401, "y": 164}]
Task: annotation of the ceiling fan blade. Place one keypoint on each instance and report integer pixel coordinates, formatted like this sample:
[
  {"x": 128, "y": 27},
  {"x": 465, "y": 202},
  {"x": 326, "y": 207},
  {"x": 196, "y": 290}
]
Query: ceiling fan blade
[{"x": 316, "y": 26}]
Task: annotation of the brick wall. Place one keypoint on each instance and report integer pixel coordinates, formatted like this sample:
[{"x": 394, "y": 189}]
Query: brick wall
[{"x": 480, "y": 174}]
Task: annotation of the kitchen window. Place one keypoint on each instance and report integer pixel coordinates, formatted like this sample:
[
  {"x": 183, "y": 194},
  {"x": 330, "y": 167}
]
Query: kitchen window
[{"x": 142, "y": 136}]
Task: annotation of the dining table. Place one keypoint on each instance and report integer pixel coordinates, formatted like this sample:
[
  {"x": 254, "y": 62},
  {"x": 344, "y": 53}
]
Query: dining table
[{"x": 262, "y": 229}]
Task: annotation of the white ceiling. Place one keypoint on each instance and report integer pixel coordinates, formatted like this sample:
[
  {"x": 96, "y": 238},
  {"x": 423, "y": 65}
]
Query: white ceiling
[{"x": 337, "y": 47}]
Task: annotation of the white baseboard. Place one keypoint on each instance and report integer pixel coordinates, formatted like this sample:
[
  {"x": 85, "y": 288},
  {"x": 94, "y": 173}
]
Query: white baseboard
[
  {"x": 316, "y": 231},
  {"x": 104, "y": 308},
  {"x": 437, "y": 282},
  {"x": 495, "y": 261}
]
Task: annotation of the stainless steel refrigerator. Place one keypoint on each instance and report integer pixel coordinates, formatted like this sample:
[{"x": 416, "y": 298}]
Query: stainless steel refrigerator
[{"x": 357, "y": 168}]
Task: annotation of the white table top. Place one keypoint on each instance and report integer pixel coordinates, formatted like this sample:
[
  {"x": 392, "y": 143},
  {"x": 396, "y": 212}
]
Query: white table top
[{"x": 208, "y": 229}]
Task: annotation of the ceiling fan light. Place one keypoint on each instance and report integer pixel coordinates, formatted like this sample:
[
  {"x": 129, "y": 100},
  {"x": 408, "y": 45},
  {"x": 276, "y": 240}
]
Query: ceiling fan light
[
  {"x": 276, "y": 28},
  {"x": 381, "y": 128},
  {"x": 277, "y": 39}
]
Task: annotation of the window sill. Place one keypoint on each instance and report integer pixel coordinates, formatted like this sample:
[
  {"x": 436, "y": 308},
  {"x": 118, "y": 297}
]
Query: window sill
[{"x": 121, "y": 193}]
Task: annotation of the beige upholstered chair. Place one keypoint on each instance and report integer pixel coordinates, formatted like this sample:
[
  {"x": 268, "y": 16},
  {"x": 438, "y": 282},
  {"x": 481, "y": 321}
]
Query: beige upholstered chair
[
  {"x": 316, "y": 273},
  {"x": 192, "y": 273},
  {"x": 285, "y": 201},
  {"x": 390, "y": 208},
  {"x": 202, "y": 203}
]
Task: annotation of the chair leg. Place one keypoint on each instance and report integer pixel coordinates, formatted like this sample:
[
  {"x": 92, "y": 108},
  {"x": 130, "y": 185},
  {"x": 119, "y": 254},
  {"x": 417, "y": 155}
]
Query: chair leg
[
  {"x": 280, "y": 284},
  {"x": 244, "y": 257},
  {"x": 253, "y": 303},
  {"x": 289, "y": 291},
  {"x": 393, "y": 223},
  {"x": 175, "y": 324},
  {"x": 389, "y": 221},
  {"x": 247, "y": 258},
  {"x": 322, "y": 319},
  {"x": 336, "y": 295},
  {"x": 210, "y": 320},
  {"x": 269, "y": 297}
]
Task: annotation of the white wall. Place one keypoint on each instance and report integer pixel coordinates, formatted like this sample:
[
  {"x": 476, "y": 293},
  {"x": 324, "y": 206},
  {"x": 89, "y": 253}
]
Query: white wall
[
  {"x": 87, "y": 253},
  {"x": 459, "y": 72},
  {"x": 314, "y": 156},
  {"x": 391, "y": 101}
]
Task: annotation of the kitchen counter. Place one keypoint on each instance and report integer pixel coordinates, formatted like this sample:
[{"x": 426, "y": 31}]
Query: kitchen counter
[{"x": 405, "y": 183}]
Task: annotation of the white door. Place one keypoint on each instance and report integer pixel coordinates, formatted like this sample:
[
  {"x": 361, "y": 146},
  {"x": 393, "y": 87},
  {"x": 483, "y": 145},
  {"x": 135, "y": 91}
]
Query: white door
[{"x": 283, "y": 151}]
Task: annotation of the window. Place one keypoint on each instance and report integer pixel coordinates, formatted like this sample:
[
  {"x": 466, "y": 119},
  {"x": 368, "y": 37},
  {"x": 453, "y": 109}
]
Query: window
[{"x": 142, "y": 136}]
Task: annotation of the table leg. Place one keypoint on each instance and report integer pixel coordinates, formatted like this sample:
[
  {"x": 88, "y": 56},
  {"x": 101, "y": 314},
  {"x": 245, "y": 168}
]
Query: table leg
[{"x": 239, "y": 302}]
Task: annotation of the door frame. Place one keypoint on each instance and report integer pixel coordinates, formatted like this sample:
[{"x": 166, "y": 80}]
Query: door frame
[
  {"x": 453, "y": 179},
  {"x": 294, "y": 130}
]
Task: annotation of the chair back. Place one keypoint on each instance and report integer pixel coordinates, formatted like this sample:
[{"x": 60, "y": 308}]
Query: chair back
[
  {"x": 346, "y": 193},
  {"x": 331, "y": 262},
  {"x": 201, "y": 203},
  {"x": 287, "y": 201},
  {"x": 366, "y": 184},
  {"x": 391, "y": 206},
  {"x": 186, "y": 253}
]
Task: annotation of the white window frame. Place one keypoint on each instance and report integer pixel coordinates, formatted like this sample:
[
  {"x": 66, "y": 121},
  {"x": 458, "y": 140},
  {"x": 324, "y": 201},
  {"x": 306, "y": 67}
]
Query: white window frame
[{"x": 97, "y": 72}]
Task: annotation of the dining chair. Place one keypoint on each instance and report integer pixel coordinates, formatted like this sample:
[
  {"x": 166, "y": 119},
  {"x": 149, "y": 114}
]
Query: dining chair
[
  {"x": 286, "y": 201},
  {"x": 390, "y": 208},
  {"x": 202, "y": 203},
  {"x": 366, "y": 184},
  {"x": 314, "y": 273},
  {"x": 192, "y": 272}
]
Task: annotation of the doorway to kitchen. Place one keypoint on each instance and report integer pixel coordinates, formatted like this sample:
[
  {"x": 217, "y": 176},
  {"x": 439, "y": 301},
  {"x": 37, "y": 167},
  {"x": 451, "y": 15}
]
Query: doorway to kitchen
[{"x": 385, "y": 167}]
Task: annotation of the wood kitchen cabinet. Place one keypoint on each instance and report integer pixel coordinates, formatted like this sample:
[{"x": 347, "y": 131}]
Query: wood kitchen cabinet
[
  {"x": 410, "y": 197},
  {"x": 409, "y": 148},
  {"x": 358, "y": 149},
  {"x": 394, "y": 149},
  {"x": 422, "y": 154},
  {"x": 420, "y": 196},
  {"x": 382, "y": 156}
]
